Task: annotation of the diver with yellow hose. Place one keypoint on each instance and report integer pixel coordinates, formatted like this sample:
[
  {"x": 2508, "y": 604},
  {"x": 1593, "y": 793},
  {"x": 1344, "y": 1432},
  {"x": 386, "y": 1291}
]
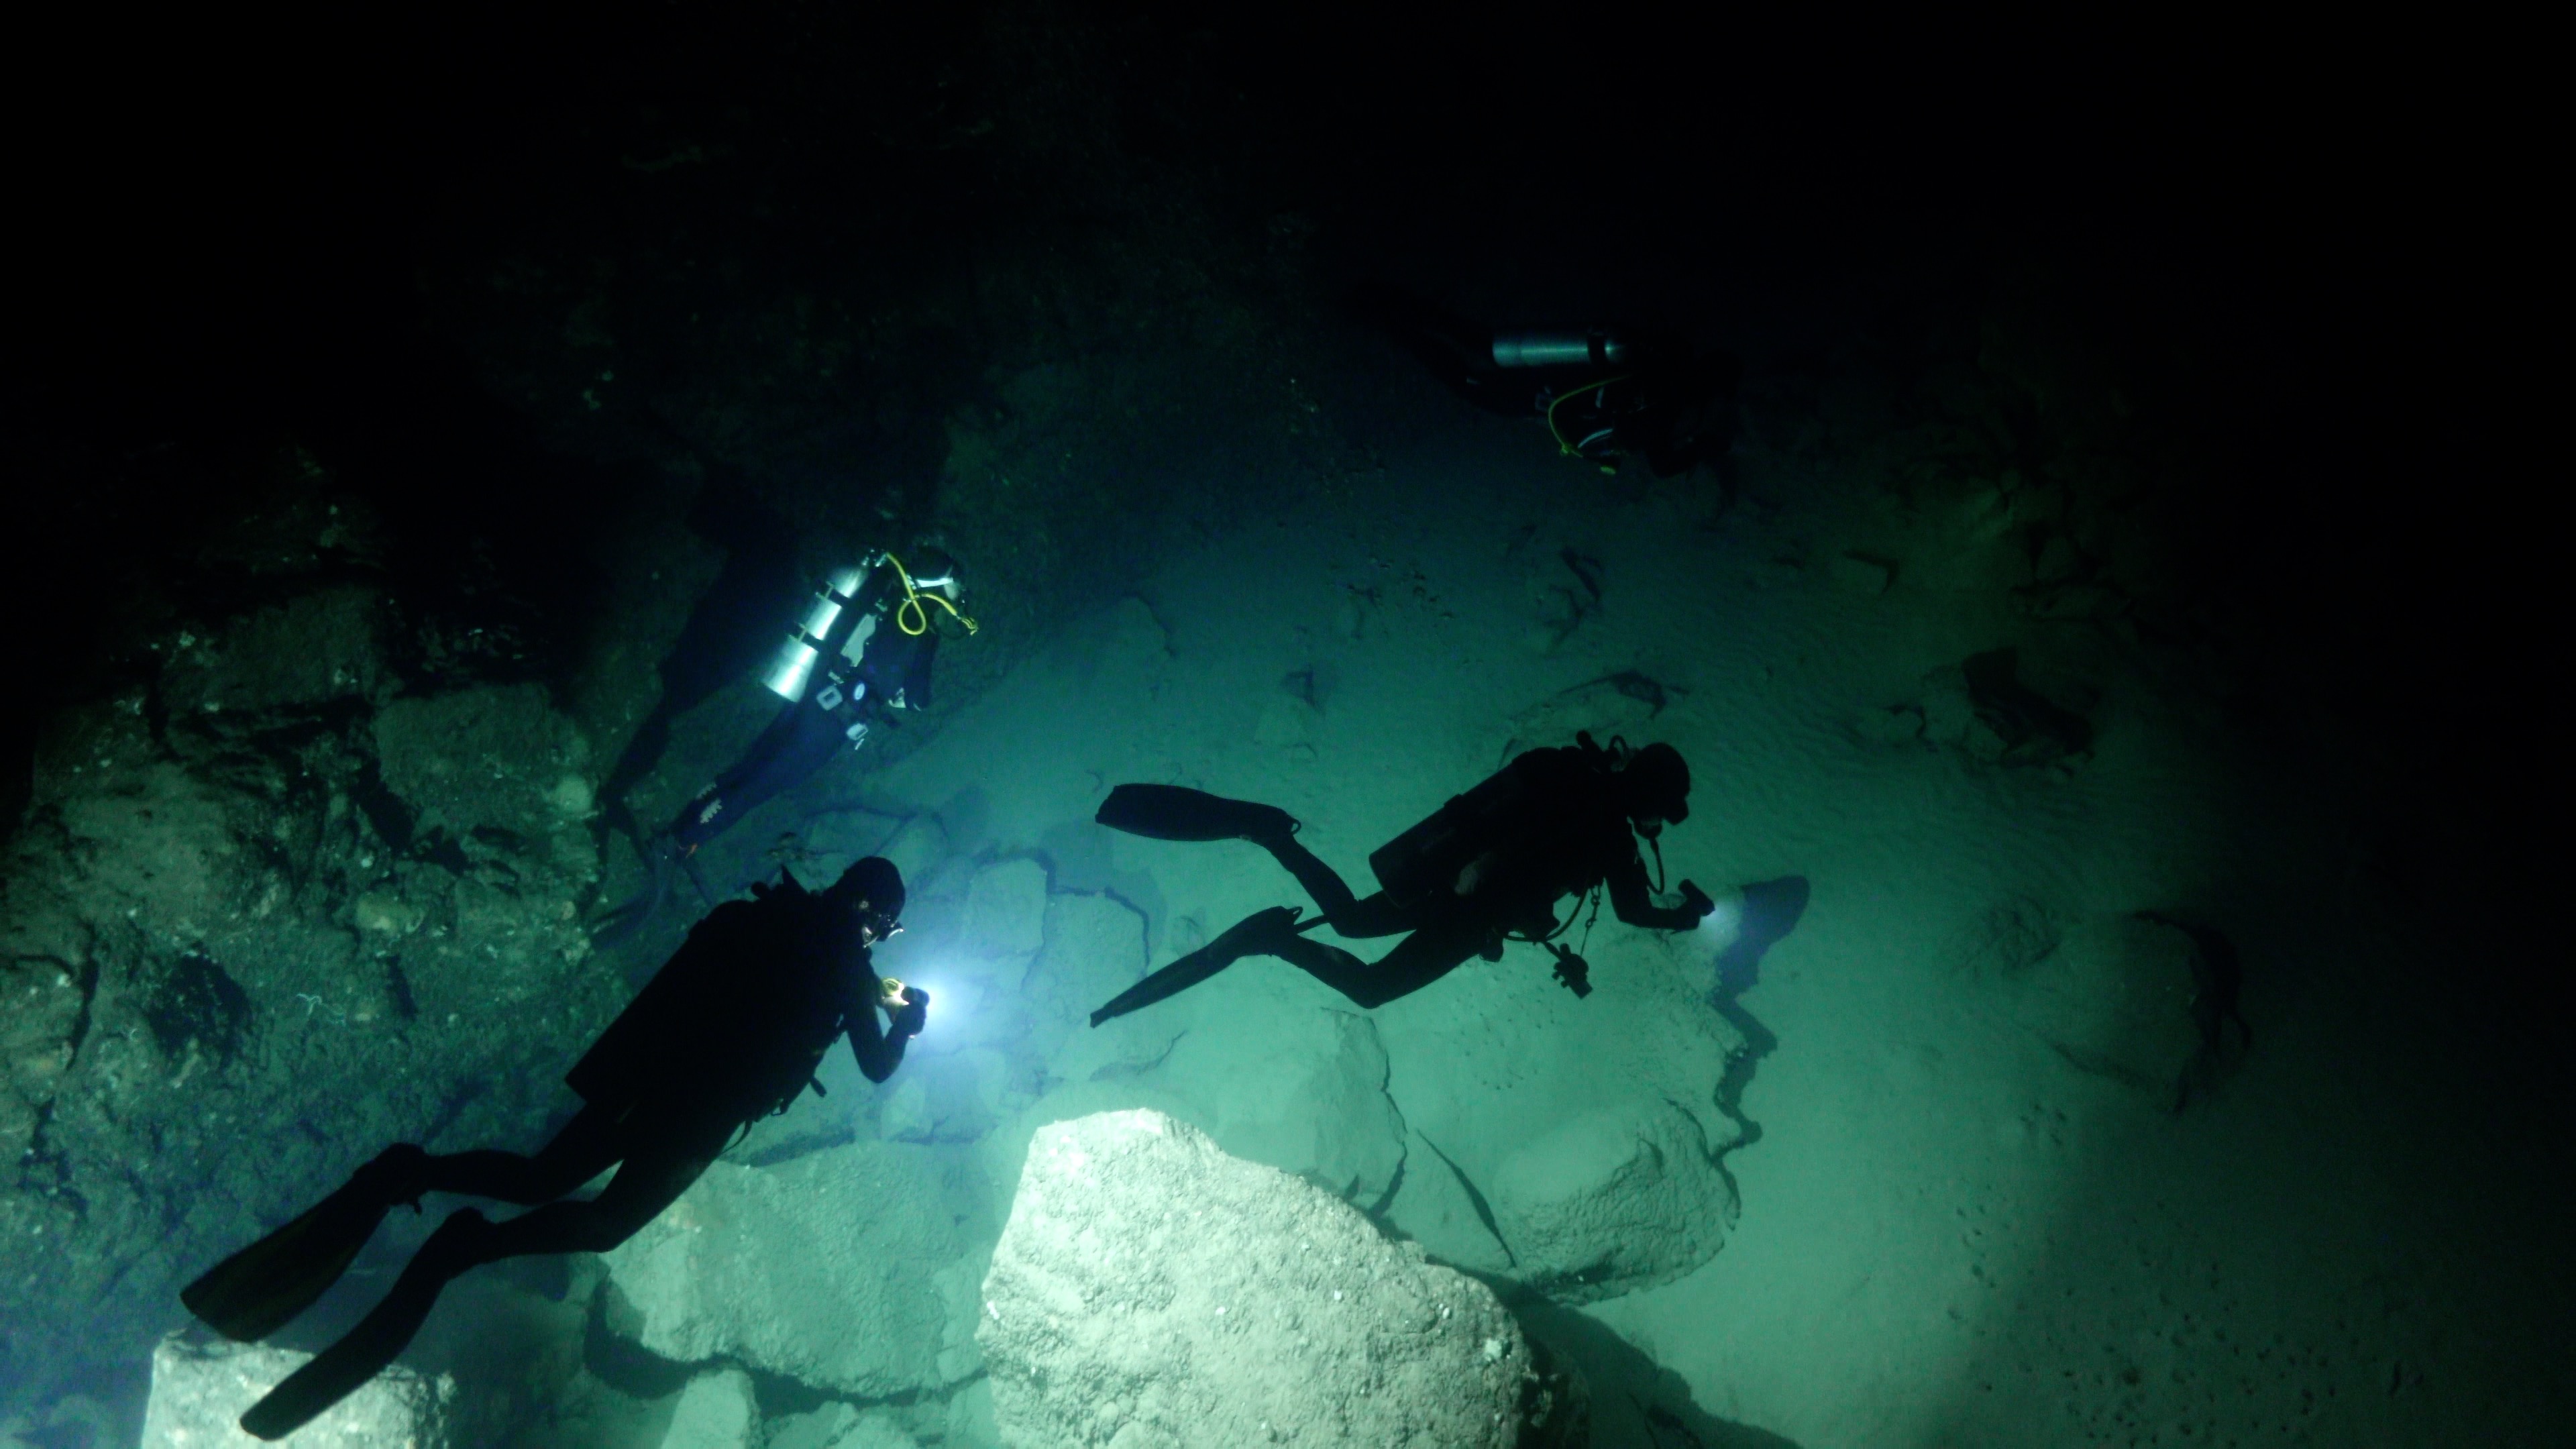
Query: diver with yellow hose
[
  {"x": 1605, "y": 394},
  {"x": 859, "y": 657},
  {"x": 862, "y": 652}
]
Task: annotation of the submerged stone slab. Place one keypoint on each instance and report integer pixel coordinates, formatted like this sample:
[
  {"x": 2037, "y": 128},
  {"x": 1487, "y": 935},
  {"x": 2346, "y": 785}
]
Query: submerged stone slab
[
  {"x": 715, "y": 1411},
  {"x": 1153, "y": 1293},
  {"x": 199, "y": 1393},
  {"x": 1613, "y": 1202},
  {"x": 824, "y": 1269}
]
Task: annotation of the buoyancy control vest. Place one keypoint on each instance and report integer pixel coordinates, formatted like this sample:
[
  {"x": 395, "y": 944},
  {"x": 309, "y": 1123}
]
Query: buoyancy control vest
[
  {"x": 742, "y": 1014},
  {"x": 1518, "y": 834}
]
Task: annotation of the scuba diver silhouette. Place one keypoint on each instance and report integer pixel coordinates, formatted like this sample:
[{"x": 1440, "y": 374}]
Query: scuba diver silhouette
[
  {"x": 862, "y": 652},
  {"x": 729, "y": 1031},
  {"x": 1485, "y": 868},
  {"x": 1605, "y": 394}
]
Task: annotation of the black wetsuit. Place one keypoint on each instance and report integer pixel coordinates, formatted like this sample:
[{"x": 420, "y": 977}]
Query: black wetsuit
[
  {"x": 729, "y": 1031},
  {"x": 893, "y": 672},
  {"x": 1663, "y": 401},
  {"x": 1559, "y": 829}
]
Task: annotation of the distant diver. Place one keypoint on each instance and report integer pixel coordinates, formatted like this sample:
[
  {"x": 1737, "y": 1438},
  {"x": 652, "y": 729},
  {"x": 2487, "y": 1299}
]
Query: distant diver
[
  {"x": 729, "y": 1031},
  {"x": 1604, "y": 393},
  {"x": 863, "y": 651},
  {"x": 1487, "y": 867}
]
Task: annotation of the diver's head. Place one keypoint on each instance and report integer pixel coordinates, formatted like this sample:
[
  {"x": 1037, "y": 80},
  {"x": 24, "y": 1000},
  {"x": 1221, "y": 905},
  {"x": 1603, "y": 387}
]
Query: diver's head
[
  {"x": 1654, "y": 789},
  {"x": 934, "y": 571},
  {"x": 874, "y": 889}
]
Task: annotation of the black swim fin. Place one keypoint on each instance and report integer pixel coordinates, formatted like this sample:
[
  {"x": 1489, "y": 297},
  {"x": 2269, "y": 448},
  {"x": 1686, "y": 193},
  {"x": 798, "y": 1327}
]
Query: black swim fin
[
  {"x": 380, "y": 1337},
  {"x": 1177, "y": 812},
  {"x": 1255, "y": 932},
  {"x": 258, "y": 1290}
]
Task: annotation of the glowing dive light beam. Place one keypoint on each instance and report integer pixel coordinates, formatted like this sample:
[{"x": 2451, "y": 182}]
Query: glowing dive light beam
[{"x": 1723, "y": 926}]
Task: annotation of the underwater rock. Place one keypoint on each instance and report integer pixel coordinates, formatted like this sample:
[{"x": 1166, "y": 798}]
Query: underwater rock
[
  {"x": 1860, "y": 573},
  {"x": 840, "y": 1426},
  {"x": 2130, "y": 999},
  {"x": 1613, "y": 1202},
  {"x": 1304, "y": 1092},
  {"x": 1006, "y": 910},
  {"x": 489, "y": 758},
  {"x": 949, "y": 1097},
  {"x": 1616, "y": 704},
  {"x": 821, "y": 1269},
  {"x": 1439, "y": 1206},
  {"x": 1982, "y": 707},
  {"x": 199, "y": 1392},
  {"x": 1095, "y": 948},
  {"x": 1152, "y": 1292},
  {"x": 311, "y": 650},
  {"x": 716, "y": 1411}
]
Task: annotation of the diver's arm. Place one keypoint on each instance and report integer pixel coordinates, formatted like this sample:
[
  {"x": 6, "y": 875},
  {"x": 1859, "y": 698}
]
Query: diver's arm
[
  {"x": 1635, "y": 904},
  {"x": 879, "y": 1050}
]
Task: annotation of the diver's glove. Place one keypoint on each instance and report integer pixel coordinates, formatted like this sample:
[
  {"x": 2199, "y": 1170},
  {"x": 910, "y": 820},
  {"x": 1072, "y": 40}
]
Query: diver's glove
[
  {"x": 915, "y": 1013},
  {"x": 1698, "y": 900}
]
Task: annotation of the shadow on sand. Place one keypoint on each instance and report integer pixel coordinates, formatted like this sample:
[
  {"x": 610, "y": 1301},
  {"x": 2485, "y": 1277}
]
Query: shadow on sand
[{"x": 1636, "y": 1404}]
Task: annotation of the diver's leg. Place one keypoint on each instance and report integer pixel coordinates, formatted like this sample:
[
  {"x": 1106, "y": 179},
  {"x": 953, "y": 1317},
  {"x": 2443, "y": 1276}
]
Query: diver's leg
[
  {"x": 1420, "y": 959},
  {"x": 586, "y": 1147},
  {"x": 622, "y": 921},
  {"x": 665, "y": 1153},
  {"x": 1347, "y": 914},
  {"x": 801, "y": 740}
]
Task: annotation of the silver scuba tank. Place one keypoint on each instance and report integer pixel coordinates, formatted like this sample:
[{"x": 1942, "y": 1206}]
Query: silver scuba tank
[
  {"x": 1559, "y": 349},
  {"x": 793, "y": 667}
]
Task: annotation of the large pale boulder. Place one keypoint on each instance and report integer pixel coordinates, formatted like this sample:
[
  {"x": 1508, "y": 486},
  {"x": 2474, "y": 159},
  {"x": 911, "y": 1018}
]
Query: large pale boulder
[
  {"x": 824, "y": 1269},
  {"x": 1303, "y": 1090},
  {"x": 199, "y": 1392},
  {"x": 1150, "y": 1292}
]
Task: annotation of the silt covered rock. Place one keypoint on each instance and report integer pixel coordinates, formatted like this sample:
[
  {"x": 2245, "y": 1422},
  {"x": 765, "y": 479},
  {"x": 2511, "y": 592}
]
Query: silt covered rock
[
  {"x": 1152, "y": 1293},
  {"x": 825, "y": 1269},
  {"x": 1613, "y": 1202},
  {"x": 200, "y": 1392}
]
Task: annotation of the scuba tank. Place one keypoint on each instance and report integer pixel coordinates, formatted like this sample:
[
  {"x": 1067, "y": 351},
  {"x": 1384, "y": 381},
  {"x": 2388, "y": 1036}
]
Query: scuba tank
[
  {"x": 1559, "y": 349},
  {"x": 1423, "y": 865},
  {"x": 793, "y": 667}
]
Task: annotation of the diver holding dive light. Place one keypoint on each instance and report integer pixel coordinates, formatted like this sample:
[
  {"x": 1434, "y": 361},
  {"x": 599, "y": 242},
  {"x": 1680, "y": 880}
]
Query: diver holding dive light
[
  {"x": 730, "y": 1030},
  {"x": 1487, "y": 867}
]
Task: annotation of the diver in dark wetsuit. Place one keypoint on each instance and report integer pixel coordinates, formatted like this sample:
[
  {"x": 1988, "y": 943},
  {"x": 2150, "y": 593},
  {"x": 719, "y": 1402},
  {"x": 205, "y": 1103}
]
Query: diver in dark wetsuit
[
  {"x": 863, "y": 652},
  {"x": 1489, "y": 866},
  {"x": 1604, "y": 393},
  {"x": 731, "y": 1030}
]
